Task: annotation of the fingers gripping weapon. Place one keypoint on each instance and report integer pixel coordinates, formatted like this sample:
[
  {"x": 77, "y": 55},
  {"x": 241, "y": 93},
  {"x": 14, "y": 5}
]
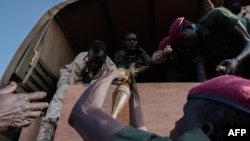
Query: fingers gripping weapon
[
  {"x": 121, "y": 94},
  {"x": 160, "y": 56}
]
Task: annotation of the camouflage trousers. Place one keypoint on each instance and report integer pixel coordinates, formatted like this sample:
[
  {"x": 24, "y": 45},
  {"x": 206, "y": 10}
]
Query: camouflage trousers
[{"x": 49, "y": 122}]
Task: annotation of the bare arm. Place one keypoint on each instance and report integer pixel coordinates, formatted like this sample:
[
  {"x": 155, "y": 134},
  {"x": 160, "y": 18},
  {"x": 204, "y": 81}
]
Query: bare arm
[
  {"x": 135, "y": 113},
  {"x": 244, "y": 38},
  {"x": 230, "y": 65},
  {"x": 206, "y": 6},
  {"x": 201, "y": 73},
  {"x": 87, "y": 117}
]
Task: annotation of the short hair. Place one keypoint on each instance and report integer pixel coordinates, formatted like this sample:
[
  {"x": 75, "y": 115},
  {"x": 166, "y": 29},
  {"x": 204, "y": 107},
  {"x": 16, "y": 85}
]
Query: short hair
[
  {"x": 97, "y": 46},
  {"x": 221, "y": 116},
  {"x": 227, "y": 102}
]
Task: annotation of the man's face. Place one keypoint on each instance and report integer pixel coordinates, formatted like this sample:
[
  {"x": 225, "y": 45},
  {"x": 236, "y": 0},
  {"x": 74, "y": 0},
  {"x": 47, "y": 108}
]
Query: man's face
[
  {"x": 233, "y": 5},
  {"x": 189, "y": 36},
  {"x": 245, "y": 12},
  {"x": 131, "y": 41},
  {"x": 95, "y": 61},
  {"x": 192, "y": 118}
]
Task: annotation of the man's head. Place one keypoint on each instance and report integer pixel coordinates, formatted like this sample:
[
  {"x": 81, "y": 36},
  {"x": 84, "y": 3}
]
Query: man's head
[
  {"x": 182, "y": 33},
  {"x": 189, "y": 34},
  {"x": 96, "y": 55},
  {"x": 215, "y": 104},
  {"x": 232, "y": 5},
  {"x": 131, "y": 41}
]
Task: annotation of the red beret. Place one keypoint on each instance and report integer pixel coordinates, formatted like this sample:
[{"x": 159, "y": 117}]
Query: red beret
[
  {"x": 174, "y": 34},
  {"x": 230, "y": 90}
]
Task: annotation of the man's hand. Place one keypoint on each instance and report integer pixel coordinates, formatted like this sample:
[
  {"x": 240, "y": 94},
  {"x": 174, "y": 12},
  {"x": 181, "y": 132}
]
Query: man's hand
[
  {"x": 16, "y": 109},
  {"x": 87, "y": 117},
  {"x": 227, "y": 66}
]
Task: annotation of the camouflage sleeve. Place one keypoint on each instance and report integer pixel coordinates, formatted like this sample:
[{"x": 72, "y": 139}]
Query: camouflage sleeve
[
  {"x": 109, "y": 62},
  {"x": 77, "y": 68}
]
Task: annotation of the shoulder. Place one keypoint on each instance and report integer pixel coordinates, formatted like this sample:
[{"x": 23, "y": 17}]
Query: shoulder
[
  {"x": 80, "y": 59},
  {"x": 131, "y": 133},
  {"x": 81, "y": 55},
  {"x": 217, "y": 13},
  {"x": 220, "y": 10},
  {"x": 120, "y": 53},
  {"x": 140, "y": 49},
  {"x": 219, "y": 18}
]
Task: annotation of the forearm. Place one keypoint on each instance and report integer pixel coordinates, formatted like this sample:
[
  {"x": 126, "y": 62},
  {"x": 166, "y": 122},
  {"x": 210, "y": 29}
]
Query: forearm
[
  {"x": 94, "y": 96},
  {"x": 135, "y": 114},
  {"x": 245, "y": 53},
  {"x": 244, "y": 39},
  {"x": 207, "y": 5},
  {"x": 87, "y": 117},
  {"x": 201, "y": 73}
]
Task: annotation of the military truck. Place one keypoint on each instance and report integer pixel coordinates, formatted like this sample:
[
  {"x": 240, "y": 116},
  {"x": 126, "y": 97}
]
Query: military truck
[{"x": 69, "y": 27}]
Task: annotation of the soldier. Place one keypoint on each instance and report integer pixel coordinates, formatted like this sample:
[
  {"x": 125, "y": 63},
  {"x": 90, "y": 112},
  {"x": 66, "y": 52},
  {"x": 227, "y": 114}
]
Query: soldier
[
  {"x": 131, "y": 57},
  {"x": 219, "y": 43},
  {"x": 84, "y": 69}
]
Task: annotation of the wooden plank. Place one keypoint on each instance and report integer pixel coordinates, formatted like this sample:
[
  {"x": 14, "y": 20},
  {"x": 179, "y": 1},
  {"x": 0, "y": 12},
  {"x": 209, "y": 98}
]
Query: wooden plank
[{"x": 160, "y": 102}]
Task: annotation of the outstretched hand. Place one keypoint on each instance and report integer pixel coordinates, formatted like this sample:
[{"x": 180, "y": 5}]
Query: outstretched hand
[{"x": 16, "y": 109}]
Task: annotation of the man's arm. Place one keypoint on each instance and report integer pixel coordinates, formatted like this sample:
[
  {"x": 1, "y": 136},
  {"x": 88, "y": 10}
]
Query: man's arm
[
  {"x": 201, "y": 73},
  {"x": 87, "y": 117},
  {"x": 135, "y": 113},
  {"x": 199, "y": 61},
  {"x": 230, "y": 65},
  {"x": 206, "y": 6},
  {"x": 77, "y": 68},
  {"x": 242, "y": 35}
]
